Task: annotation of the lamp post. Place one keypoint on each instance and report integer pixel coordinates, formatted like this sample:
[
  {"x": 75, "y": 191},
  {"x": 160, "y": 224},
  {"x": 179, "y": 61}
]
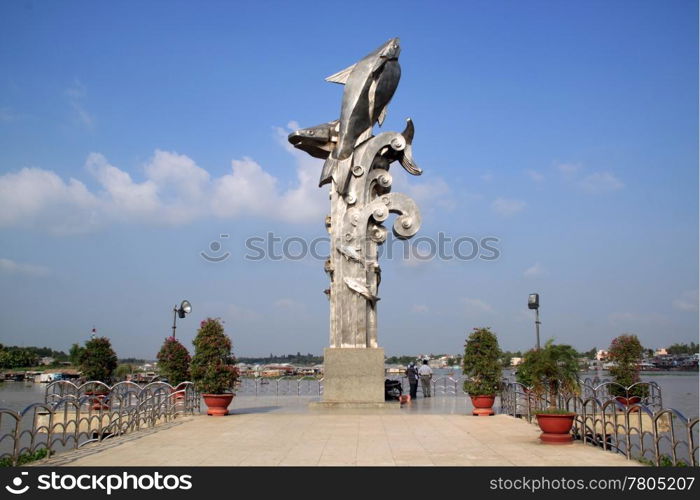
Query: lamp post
[
  {"x": 184, "y": 309},
  {"x": 533, "y": 302}
]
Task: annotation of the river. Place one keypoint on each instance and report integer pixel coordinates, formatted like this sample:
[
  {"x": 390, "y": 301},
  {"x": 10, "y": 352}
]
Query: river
[{"x": 679, "y": 390}]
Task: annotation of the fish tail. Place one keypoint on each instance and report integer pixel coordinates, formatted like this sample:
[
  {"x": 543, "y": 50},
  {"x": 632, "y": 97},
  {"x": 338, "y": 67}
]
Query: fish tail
[
  {"x": 329, "y": 168},
  {"x": 409, "y": 165}
]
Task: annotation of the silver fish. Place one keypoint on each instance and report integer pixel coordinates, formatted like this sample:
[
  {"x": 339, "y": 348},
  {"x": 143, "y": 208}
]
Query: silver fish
[
  {"x": 318, "y": 141},
  {"x": 350, "y": 253},
  {"x": 361, "y": 288},
  {"x": 369, "y": 86}
]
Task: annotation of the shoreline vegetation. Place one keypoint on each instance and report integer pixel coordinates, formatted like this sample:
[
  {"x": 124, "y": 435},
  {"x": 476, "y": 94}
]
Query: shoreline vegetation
[{"x": 37, "y": 360}]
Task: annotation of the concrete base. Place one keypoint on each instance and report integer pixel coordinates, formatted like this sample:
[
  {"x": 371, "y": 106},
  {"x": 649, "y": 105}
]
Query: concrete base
[
  {"x": 349, "y": 405},
  {"x": 353, "y": 376}
]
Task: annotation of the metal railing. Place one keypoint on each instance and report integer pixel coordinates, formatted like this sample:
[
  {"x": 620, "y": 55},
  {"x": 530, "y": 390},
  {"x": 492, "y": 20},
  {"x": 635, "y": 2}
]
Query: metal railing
[
  {"x": 282, "y": 386},
  {"x": 311, "y": 386},
  {"x": 645, "y": 430},
  {"x": 72, "y": 416}
]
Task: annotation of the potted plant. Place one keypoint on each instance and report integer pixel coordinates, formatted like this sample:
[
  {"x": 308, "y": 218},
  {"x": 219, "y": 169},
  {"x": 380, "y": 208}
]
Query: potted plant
[
  {"x": 213, "y": 367},
  {"x": 174, "y": 363},
  {"x": 97, "y": 362},
  {"x": 551, "y": 371},
  {"x": 625, "y": 353},
  {"x": 482, "y": 364}
]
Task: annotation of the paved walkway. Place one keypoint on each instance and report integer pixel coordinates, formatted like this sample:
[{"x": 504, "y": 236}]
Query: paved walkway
[{"x": 263, "y": 435}]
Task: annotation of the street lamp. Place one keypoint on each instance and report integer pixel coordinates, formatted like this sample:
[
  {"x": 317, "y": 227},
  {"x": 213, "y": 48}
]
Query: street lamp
[
  {"x": 533, "y": 302},
  {"x": 185, "y": 308}
]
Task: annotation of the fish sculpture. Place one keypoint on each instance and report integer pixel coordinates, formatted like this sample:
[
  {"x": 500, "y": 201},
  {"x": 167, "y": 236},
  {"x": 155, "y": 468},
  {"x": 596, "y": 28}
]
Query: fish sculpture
[
  {"x": 361, "y": 288},
  {"x": 350, "y": 253},
  {"x": 318, "y": 141},
  {"x": 369, "y": 86}
]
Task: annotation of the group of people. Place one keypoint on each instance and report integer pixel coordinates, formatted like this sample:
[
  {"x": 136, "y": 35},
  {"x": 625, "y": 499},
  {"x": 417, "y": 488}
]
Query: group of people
[{"x": 424, "y": 373}]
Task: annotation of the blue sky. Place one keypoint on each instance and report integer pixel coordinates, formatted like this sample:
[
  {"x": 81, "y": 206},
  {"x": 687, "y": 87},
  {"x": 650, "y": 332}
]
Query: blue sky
[{"x": 133, "y": 135}]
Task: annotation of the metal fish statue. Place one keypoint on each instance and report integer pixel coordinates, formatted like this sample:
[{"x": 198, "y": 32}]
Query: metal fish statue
[
  {"x": 350, "y": 253},
  {"x": 369, "y": 86},
  {"x": 318, "y": 141},
  {"x": 361, "y": 288}
]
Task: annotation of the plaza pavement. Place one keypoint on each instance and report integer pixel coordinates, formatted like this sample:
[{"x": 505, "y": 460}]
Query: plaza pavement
[{"x": 284, "y": 431}]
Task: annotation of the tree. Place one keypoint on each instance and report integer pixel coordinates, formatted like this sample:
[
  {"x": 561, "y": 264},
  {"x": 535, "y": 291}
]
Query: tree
[
  {"x": 122, "y": 371},
  {"x": 625, "y": 353},
  {"x": 174, "y": 361},
  {"x": 482, "y": 363},
  {"x": 74, "y": 354},
  {"x": 679, "y": 349},
  {"x": 213, "y": 365},
  {"x": 98, "y": 360},
  {"x": 17, "y": 357},
  {"x": 553, "y": 369}
]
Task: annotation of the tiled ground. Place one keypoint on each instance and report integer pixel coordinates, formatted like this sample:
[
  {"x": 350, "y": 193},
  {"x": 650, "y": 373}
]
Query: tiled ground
[{"x": 262, "y": 433}]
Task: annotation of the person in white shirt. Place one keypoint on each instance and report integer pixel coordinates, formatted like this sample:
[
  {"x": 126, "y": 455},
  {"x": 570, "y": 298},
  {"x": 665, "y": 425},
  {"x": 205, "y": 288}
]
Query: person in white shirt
[{"x": 426, "y": 374}]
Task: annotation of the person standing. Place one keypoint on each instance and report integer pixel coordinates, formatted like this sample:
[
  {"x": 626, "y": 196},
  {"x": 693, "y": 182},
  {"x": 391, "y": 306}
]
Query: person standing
[
  {"x": 412, "y": 374},
  {"x": 426, "y": 374}
]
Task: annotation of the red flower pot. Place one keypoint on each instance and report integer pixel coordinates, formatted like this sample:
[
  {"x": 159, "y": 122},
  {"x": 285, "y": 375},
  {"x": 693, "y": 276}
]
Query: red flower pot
[
  {"x": 556, "y": 428},
  {"x": 217, "y": 404},
  {"x": 632, "y": 400},
  {"x": 483, "y": 405},
  {"x": 97, "y": 400},
  {"x": 178, "y": 395}
]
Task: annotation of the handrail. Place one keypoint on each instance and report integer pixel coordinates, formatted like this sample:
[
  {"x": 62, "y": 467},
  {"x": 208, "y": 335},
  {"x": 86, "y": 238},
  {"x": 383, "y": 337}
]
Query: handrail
[
  {"x": 72, "y": 415},
  {"x": 643, "y": 430}
]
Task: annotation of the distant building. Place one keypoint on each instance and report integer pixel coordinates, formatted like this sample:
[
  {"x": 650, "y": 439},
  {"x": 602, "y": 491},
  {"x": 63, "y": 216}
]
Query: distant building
[
  {"x": 515, "y": 361},
  {"x": 601, "y": 355},
  {"x": 46, "y": 360},
  {"x": 661, "y": 352}
]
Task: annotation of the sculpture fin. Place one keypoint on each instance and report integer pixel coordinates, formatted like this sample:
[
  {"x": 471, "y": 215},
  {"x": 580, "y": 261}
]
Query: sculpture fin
[
  {"x": 341, "y": 76},
  {"x": 408, "y": 164},
  {"x": 328, "y": 170},
  {"x": 382, "y": 116}
]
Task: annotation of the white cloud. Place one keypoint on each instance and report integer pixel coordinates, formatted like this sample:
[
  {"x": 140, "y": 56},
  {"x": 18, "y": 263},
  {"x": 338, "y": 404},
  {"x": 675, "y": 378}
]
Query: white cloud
[
  {"x": 688, "y": 301},
  {"x": 427, "y": 191},
  {"x": 8, "y": 266},
  {"x": 568, "y": 168},
  {"x": 476, "y": 306},
  {"x": 240, "y": 313},
  {"x": 289, "y": 304},
  {"x": 635, "y": 319},
  {"x": 419, "y": 308},
  {"x": 76, "y": 95},
  {"x": 174, "y": 190},
  {"x": 36, "y": 197},
  {"x": 535, "y": 175},
  {"x": 506, "y": 207},
  {"x": 534, "y": 270},
  {"x": 601, "y": 182}
]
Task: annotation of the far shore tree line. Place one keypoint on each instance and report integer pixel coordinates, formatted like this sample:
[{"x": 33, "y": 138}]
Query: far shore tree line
[{"x": 16, "y": 357}]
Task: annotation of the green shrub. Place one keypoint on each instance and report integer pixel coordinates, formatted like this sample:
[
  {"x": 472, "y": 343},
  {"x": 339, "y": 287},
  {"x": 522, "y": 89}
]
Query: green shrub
[
  {"x": 27, "y": 457},
  {"x": 626, "y": 352},
  {"x": 174, "y": 361},
  {"x": 553, "y": 411},
  {"x": 553, "y": 369},
  {"x": 213, "y": 365},
  {"x": 481, "y": 363},
  {"x": 98, "y": 360}
]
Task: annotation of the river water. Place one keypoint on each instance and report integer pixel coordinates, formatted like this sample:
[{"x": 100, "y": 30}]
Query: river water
[{"x": 679, "y": 390}]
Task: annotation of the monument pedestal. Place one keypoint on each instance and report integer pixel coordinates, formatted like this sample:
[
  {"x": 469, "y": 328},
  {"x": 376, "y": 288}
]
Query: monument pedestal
[{"x": 353, "y": 378}]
